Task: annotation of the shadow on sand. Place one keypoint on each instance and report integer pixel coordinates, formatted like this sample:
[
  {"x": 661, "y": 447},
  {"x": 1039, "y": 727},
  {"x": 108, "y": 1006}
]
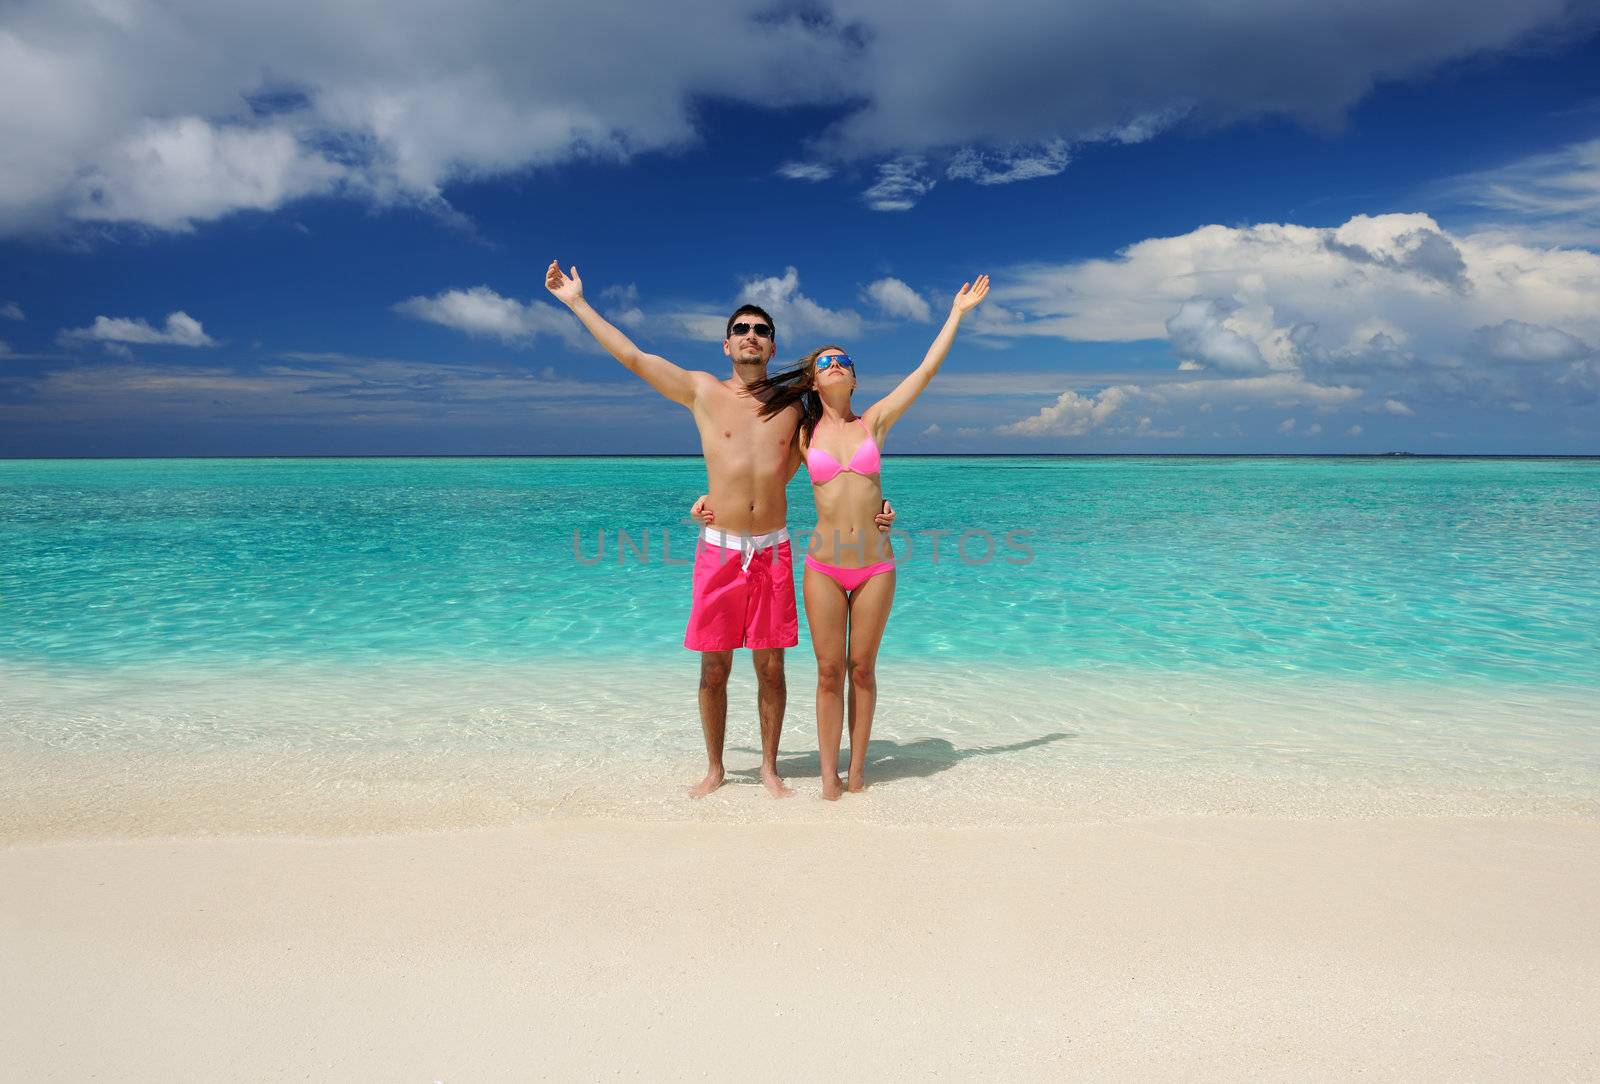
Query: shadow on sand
[{"x": 890, "y": 760}]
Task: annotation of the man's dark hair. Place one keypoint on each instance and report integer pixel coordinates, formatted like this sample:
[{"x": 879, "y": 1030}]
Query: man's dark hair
[{"x": 754, "y": 310}]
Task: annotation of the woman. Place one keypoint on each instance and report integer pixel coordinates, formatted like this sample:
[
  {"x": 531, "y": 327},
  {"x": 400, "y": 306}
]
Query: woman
[{"x": 849, "y": 568}]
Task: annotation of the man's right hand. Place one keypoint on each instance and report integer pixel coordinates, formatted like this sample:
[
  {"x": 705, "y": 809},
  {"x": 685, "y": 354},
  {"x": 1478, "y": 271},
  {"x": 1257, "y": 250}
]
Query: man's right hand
[
  {"x": 568, "y": 288},
  {"x": 701, "y": 512}
]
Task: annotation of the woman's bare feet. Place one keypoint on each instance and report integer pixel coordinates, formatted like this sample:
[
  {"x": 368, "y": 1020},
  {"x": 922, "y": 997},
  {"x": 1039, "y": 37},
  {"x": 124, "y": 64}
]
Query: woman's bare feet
[
  {"x": 858, "y": 782},
  {"x": 711, "y": 782},
  {"x": 832, "y": 787}
]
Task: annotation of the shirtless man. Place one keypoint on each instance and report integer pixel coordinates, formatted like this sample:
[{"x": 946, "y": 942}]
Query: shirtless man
[{"x": 743, "y": 570}]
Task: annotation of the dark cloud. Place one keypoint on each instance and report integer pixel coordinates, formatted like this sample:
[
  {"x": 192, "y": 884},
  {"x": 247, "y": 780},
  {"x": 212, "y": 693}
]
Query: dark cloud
[
  {"x": 1013, "y": 72},
  {"x": 168, "y": 115},
  {"x": 1198, "y": 334},
  {"x": 1426, "y": 253},
  {"x": 1518, "y": 342}
]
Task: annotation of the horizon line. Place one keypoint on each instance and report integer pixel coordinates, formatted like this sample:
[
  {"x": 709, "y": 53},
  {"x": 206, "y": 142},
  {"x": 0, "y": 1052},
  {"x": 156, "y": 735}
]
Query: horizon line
[{"x": 900, "y": 455}]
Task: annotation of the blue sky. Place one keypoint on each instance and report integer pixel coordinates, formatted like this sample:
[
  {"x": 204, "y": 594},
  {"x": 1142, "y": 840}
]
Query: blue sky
[{"x": 1293, "y": 230}]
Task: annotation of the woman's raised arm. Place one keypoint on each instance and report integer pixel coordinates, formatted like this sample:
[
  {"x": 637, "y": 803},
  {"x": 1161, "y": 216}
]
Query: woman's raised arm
[{"x": 886, "y": 411}]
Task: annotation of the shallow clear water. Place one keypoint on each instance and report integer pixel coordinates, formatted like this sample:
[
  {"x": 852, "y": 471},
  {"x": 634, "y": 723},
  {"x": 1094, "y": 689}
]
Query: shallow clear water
[
  {"x": 362, "y": 621},
  {"x": 1468, "y": 570}
]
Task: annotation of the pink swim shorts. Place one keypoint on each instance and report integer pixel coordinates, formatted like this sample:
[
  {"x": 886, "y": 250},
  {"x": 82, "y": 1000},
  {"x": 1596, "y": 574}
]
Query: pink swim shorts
[{"x": 743, "y": 592}]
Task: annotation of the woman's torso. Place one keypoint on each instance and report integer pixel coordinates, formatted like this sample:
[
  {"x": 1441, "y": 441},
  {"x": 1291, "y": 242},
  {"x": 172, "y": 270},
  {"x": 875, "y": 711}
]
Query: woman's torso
[{"x": 846, "y": 534}]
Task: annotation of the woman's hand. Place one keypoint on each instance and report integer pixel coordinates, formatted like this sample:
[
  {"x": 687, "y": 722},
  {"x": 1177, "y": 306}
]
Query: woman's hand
[
  {"x": 968, "y": 296},
  {"x": 702, "y": 512},
  {"x": 568, "y": 288}
]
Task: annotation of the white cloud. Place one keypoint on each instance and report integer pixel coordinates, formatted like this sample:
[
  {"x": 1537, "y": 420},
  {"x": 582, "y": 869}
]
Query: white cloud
[
  {"x": 805, "y": 171},
  {"x": 1286, "y": 426},
  {"x": 622, "y": 305},
  {"x": 699, "y": 326},
  {"x": 481, "y": 311},
  {"x": 12, "y": 311},
  {"x": 1395, "y": 406},
  {"x": 1353, "y": 431},
  {"x": 1023, "y": 385},
  {"x": 901, "y": 183},
  {"x": 1010, "y": 164},
  {"x": 1555, "y": 194},
  {"x": 798, "y": 317},
  {"x": 1074, "y": 414},
  {"x": 181, "y": 330},
  {"x": 1142, "y": 128},
  {"x": 1271, "y": 278},
  {"x": 5, "y": 348},
  {"x": 896, "y": 299},
  {"x": 1313, "y": 430},
  {"x": 170, "y": 174},
  {"x": 1393, "y": 305}
]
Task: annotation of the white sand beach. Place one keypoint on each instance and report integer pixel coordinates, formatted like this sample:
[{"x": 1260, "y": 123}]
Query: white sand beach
[{"x": 1193, "y": 947}]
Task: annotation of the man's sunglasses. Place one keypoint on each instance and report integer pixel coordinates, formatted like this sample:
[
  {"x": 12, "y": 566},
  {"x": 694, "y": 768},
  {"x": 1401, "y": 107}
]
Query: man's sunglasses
[
  {"x": 763, "y": 331},
  {"x": 841, "y": 360}
]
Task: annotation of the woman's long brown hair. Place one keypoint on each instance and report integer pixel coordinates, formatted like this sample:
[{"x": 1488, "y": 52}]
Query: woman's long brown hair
[{"x": 797, "y": 385}]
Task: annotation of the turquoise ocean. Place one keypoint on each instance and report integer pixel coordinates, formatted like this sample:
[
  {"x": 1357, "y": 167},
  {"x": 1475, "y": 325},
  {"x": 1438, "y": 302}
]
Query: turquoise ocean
[{"x": 370, "y": 644}]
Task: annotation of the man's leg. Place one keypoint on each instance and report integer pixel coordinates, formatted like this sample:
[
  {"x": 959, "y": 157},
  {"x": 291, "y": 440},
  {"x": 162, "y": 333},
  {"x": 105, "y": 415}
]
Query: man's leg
[
  {"x": 772, "y": 694},
  {"x": 714, "y": 667}
]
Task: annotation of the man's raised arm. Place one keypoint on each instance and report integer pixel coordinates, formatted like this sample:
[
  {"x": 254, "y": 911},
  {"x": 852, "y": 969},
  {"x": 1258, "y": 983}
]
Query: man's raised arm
[{"x": 668, "y": 379}]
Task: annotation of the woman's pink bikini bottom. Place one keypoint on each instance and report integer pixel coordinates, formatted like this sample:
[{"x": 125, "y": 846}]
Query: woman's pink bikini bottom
[{"x": 849, "y": 578}]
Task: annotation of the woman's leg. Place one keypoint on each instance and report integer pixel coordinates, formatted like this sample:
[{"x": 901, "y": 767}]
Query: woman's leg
[
  {"x": 826, "y": 610},
  {"x": 869, "y": 614}
]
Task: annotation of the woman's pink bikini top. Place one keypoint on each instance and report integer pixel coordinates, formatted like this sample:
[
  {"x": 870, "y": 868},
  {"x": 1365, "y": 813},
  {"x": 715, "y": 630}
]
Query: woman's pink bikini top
[{"x": 823, "y": 468}]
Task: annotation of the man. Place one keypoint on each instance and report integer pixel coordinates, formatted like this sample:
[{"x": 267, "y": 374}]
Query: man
[{"x": 743, "y": 570}]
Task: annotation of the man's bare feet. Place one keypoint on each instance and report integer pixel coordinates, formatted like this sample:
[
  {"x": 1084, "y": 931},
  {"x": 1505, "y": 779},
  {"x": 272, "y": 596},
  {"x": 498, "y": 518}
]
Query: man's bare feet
[
  {"x": 774, "y": 783},
  {"x": 711, "y": 782},
  {"x": 858, "y": 783},
  {"x": 832, "y": 788}
]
